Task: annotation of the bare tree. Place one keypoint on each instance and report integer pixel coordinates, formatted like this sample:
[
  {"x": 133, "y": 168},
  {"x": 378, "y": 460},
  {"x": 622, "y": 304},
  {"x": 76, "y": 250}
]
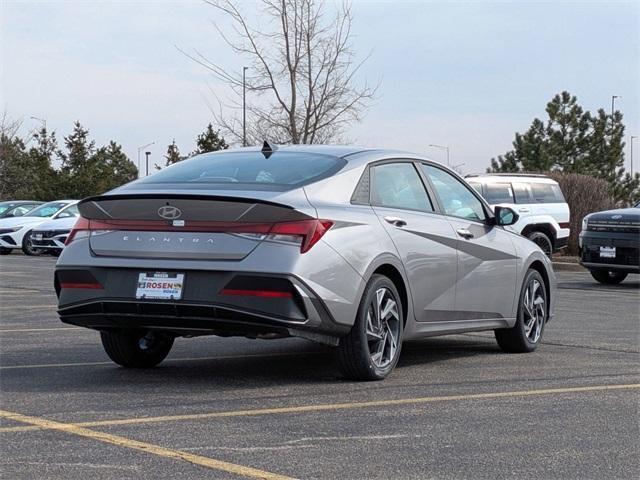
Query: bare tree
[
  {"x": 9, "y": 127},
  {"x": 302, "y": 73}
]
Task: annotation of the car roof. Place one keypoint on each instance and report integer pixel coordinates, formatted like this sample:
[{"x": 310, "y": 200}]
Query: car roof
[
  {"x": 354, "y": 155},
  {"x": 332, "y": 150},
  {"x": 521, "y": 178}
]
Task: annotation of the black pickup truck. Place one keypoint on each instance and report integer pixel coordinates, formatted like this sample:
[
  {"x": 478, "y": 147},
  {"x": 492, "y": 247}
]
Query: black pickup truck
[{"x": 610, "y": 244}]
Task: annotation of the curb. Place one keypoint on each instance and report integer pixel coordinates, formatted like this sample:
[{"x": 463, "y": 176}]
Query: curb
[{"x": 568, "y": 267}]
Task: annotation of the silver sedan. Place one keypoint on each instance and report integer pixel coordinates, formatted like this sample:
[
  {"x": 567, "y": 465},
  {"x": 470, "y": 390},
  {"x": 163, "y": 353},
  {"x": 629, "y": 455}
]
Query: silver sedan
[{"x": 356, "y": 248}]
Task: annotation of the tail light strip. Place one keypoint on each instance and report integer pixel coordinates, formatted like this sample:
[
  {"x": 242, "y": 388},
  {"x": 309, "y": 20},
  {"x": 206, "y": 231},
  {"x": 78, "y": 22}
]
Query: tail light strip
[{"x": 310, "y": 231}]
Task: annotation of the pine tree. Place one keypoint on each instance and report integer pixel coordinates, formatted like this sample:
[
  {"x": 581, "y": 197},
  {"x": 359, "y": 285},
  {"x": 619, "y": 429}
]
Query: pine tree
[
  {"x": 78, "y": 173},
  {"x": 573, "y": 141},
  {"x": 43, "y": 177},
  {"x": 173, "y": 154},
  {"x": 209, "y": 141},
  {"x": 14, "y": 181},
  {"x": 86, "y": 171},
  {"x": 115, "y": 167}
]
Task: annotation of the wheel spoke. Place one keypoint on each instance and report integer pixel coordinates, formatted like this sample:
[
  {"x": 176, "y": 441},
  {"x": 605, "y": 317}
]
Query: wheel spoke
[
  {"x": 534, "y": 310},
  {"x": 372, "y": 333},
  {"x": 382, "y": 329}
]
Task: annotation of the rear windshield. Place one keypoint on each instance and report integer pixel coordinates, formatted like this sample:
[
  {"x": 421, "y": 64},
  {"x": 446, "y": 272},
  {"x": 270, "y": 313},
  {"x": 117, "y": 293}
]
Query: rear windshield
[{"x": 241, "y": 170}]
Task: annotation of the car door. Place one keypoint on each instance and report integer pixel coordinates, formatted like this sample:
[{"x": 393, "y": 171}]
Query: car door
[
  {"x": 486, "y": 277},
  {"x": 423, "y": 238}
]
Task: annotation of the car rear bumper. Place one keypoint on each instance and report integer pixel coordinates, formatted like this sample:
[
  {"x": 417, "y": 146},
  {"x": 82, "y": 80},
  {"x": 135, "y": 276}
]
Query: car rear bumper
[{"x": 110, "y": 303}]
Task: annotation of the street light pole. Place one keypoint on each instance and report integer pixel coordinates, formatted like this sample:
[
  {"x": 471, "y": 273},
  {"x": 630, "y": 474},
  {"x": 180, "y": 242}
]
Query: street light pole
[
  {"x": 613, "y": 103},
  {"x": 140, "y": 150},
  {"x": 244, "y": 106},
  {"x": 633, "y": 137},
  {"x": 443, "y": 147},
  {"x": 146, "y": 154}
]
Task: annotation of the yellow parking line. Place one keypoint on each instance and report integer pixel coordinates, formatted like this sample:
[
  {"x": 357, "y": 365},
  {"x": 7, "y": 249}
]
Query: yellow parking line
[
  {"x": 144, "y": 447},
  {"x": 339, "y": 406}
]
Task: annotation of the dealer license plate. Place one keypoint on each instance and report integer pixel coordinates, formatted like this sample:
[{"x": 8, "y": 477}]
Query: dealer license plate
[
  {"x": 160, "y": 285},
  {"x": 37, "y": 236},
  {"x": 607, "y": 252}
]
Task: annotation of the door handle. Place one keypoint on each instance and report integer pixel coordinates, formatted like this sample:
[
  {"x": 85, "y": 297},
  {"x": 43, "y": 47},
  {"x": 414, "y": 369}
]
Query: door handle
[
  {"x": 463, "y": 232},
  {"x": 395, "y": 221},
  {"x": 524, "y": 210}
]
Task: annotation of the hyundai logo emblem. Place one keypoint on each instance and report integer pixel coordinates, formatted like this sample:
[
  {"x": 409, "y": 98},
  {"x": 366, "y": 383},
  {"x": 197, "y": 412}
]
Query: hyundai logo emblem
[
  {"x": 616, "y": 217},
  {"x": 169, "y": 212}
]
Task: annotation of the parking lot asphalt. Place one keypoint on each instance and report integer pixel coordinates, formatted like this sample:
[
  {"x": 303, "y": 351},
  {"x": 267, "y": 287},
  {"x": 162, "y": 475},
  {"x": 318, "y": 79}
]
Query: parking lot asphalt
[{"x": 456, "y": 407}]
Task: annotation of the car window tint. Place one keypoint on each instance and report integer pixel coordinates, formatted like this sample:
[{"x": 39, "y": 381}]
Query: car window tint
[
  {"x": 457, "y": 199},
  {"x": 546, "y": 193},
  {"x": 496, "y": 193},
  {"x": 521, "y": 192},
  {"x": 398, "y": 185}
]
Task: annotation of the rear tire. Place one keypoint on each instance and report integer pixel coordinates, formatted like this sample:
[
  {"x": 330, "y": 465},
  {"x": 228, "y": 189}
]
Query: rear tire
[
  {"x": 136, "y": 348},
  {"x": 608, "y": 277},
  {"x": 27, "y": 245},
  {"x": 526, "y": 334},
  {"x": 371, "y": 349},
  {"x": 543, "y": 241}
]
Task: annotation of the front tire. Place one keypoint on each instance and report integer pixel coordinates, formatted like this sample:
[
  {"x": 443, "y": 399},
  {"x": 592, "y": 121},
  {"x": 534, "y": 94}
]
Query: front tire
[
  {"x": 136, "y": 349},
  {"x": 543, "y": 241},
  {"x": 371, "y": 349},
  {"x": 526, "y": 334},
  {"x": 27, "y": 245},
  {"x": 608, "y": 277}
]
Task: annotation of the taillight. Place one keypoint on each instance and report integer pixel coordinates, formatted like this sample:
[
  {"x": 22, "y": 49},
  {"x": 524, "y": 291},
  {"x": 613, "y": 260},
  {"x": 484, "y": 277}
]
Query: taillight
[
  {"x": 81, "y": 225},
  {"x": 308, "y": 231},
  {"x": 305, "y": 232}
]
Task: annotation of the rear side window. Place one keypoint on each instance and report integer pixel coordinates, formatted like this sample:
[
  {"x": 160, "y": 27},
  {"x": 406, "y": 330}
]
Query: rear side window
[
  {"x": 398, "y": 185},
  {"x": 496, "y": 193},
  {"x": 521, "y": 192},
  {"x": 241, "y": 170},
  {"x": 546, "y": 193}
]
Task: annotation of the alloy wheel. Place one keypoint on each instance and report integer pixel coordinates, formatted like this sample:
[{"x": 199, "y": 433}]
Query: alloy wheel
[
  {"x": 383, "y": 328},
  {"x": 534, "y": 310}
]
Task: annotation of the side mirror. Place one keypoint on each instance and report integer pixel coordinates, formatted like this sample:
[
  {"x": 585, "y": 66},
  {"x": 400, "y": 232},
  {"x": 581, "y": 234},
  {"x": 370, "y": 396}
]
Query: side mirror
[{"x": 505, "y": 216}]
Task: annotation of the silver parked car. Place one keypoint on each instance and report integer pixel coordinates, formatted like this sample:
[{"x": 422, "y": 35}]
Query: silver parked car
[{"x": 356, "y": 248}]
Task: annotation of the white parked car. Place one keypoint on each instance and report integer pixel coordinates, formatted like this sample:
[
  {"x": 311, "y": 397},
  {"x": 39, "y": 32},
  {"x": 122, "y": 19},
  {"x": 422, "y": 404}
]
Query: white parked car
[
  {"x": 544, "y": 213},
  {"x": 50, "y": 236},
  {"x": 16, "y": 232}
]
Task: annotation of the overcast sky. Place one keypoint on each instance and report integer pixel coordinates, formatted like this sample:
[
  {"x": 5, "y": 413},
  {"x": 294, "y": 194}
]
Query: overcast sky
[{"x": 463, "y": 74}]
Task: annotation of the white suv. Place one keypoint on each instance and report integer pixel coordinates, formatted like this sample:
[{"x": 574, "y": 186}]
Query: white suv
[{"x": 544, "y": 213}]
